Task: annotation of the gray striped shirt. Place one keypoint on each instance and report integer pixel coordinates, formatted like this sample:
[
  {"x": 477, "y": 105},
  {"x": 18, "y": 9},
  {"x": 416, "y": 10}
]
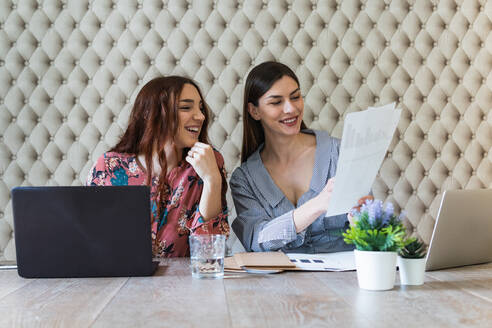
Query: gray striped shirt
[{"x": 265, "y": 216}]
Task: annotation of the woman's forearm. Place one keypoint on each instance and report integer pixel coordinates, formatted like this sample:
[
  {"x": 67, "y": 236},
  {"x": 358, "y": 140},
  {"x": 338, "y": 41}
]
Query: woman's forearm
[
  {"x": 211, "y": 200},
  {"x": 307, "y": 213}
]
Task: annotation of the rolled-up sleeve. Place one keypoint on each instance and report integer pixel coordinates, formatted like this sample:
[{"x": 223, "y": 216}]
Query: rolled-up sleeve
[{"x": 256, "y": 230}]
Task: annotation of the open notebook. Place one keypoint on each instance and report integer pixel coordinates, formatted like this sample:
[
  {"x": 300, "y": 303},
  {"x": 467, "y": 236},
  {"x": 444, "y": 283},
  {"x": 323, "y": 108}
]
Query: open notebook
[{"x": 341, "y": 261}]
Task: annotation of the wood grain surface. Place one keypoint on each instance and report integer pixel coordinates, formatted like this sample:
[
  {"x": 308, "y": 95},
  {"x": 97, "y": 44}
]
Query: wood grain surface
[{"x": 460, "y": 297}]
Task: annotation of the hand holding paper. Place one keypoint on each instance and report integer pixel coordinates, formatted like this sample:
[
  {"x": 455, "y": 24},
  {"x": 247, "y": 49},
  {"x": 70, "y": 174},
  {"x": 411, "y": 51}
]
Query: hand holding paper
[{"x": 365, "y": 140}]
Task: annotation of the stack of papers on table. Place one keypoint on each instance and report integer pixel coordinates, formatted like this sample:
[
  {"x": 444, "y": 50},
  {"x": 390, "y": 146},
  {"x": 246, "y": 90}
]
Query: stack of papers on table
[
  {"x": 279, "y": 261},
  {"x": 341, "y": 261}
]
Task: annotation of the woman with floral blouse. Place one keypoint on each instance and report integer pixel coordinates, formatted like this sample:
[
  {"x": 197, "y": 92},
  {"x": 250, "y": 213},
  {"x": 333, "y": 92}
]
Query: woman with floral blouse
[{"x": 166, "y": 147}]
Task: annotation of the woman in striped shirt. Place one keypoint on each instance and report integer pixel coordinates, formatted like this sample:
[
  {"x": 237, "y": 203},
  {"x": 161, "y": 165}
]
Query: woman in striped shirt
[{"x": 285, "y": 181}]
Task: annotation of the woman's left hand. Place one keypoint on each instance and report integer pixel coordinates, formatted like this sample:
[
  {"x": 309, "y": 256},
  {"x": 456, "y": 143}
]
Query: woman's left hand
[{"x": 201, "y": 156}]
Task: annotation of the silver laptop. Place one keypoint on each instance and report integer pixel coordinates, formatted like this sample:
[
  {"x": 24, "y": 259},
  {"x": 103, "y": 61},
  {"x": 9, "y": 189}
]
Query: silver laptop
[{"x": 463, "y": 230}]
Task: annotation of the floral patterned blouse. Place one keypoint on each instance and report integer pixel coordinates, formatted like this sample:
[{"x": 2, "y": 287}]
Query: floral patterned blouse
[{"x": 180, "y": 216}]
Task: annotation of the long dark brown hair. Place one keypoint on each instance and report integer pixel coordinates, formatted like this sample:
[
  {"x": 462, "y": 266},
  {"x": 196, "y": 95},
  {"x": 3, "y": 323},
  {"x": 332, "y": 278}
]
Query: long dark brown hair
[
  {"x": 153, "y": 121},
  {"x": 259, "y": 81}
]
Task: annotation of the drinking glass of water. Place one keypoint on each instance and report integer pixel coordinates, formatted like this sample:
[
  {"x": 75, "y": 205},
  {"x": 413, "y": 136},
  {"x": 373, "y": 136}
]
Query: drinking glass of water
[{"x": 207, "y": 256}]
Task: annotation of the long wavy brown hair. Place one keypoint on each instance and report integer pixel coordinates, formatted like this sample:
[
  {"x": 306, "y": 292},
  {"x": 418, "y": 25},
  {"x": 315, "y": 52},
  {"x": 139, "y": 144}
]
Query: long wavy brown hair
[
  {"x": 259, "y": 81},
  {"x": 153, "y": 121}
]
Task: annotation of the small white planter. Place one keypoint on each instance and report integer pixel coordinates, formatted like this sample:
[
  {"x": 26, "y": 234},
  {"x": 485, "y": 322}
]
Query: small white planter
[
  {"x": 375, "y": 270},
  {"x": 412, "y": 271}
]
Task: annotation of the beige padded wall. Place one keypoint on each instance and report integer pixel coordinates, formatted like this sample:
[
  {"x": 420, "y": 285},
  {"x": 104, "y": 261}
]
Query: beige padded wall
[{"x": 69, "y": 71}]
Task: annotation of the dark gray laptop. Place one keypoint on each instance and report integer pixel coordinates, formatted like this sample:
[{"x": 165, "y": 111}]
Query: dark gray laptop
[
  {"x": 63, "y": 232},
  {"x": 463, "y": 230}
]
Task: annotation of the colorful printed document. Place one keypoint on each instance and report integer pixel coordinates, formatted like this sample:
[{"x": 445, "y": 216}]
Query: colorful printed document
[{"x": 365, "y": 140}]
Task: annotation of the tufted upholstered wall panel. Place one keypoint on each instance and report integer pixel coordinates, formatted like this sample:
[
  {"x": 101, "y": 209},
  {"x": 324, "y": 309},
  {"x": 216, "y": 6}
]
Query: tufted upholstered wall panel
[{"x": 69, "y": 71}]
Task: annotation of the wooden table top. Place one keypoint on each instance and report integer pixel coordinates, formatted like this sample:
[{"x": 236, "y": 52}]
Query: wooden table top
[{"x": 172, "y": 298}]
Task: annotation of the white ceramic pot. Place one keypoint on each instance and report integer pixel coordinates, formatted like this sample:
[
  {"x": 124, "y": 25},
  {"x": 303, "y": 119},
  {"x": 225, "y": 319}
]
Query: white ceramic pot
[
  {"x": 375, "y": 270},
  {"x": 412, "y": 271}
]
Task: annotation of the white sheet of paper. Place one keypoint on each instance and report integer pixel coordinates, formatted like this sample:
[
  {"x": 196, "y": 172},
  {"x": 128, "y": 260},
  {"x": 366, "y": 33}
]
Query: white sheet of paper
[
  {"x": 365, "y": 140},
  {"x": 340, "y": 261}
]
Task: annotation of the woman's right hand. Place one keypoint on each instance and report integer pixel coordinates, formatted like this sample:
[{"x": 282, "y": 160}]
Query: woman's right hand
[
  {"x": 305, "y": 214},
  {"x": 325, "y": 194}
]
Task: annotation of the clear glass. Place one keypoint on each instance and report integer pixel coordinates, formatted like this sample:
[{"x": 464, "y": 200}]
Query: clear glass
[{"x": 207, "y": 256}]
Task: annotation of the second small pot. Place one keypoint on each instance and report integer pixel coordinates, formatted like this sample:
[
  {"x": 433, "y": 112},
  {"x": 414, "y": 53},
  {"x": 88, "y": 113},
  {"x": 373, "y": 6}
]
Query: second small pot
[{"x": 412, "y": 271}]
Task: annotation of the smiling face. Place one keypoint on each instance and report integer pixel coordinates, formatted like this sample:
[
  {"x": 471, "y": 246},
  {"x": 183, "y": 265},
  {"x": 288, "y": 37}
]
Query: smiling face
[
  {"x": 190, "y": 117},
  {"x": 280, "y": 109}
]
